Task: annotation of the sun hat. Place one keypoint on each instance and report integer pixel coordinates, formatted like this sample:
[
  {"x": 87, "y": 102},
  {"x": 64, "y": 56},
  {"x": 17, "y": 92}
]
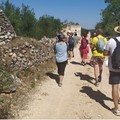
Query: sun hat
[{"x": 117, "y": 29}]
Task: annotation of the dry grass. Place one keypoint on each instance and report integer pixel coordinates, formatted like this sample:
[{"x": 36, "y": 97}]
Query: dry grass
[{"x": 30, "y": 78}]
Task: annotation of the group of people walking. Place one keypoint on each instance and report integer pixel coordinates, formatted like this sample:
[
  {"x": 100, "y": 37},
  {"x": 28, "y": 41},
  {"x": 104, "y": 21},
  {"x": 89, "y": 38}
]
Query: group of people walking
[{"x": 100, "y": 47}]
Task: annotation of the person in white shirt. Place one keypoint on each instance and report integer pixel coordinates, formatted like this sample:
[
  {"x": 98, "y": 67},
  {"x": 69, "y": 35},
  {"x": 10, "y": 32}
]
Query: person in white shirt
[{"x": 114, "y": 76}]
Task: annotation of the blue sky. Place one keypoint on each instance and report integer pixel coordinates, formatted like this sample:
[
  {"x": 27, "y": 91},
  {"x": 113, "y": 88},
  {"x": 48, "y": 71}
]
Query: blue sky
[{"x": 84, "y": 12}]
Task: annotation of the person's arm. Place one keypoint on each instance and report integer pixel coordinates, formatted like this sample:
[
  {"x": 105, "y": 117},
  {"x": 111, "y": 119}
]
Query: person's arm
[{"x": 106, "y": 49}]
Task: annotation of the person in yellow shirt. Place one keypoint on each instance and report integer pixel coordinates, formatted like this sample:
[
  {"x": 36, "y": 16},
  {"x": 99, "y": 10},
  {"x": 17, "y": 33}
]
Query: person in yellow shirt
[{"x": 97, "y": 56}]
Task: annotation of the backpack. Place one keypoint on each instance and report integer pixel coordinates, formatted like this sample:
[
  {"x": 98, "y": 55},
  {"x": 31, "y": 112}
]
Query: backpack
[
  {"x": 115, "y": 58},
  {"x": 84, "y": 43},
  {"x": 100, "y": 45},
  {"x": 71, "y": 41}
]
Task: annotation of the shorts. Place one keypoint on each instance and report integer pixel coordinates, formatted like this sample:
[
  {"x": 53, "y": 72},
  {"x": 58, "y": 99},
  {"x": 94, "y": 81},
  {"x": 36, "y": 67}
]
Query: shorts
[
  {"x": 61, "y": 67},
  {"x": 71, "y": 47},
  {"x": 97, "y": 60},
  {"x": 114, "y": 78}
]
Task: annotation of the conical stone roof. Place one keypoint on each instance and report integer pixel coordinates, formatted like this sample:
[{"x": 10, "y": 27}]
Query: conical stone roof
[{"x": 7, "y": 32}]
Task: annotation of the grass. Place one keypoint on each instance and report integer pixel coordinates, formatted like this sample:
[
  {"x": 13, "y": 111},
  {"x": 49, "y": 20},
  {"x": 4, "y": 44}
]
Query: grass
[{"x": 11, "y": 103}]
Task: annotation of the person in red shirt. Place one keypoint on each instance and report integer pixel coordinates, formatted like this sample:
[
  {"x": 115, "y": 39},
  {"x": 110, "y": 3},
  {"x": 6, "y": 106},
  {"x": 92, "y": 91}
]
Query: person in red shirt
[{"x": 84, "y": 49}]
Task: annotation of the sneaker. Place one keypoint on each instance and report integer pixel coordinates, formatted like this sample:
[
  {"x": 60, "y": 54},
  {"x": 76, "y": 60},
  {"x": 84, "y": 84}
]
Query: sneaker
[
  {"x": 115, "y": 112},
  {"x": 97, "y": 83}
]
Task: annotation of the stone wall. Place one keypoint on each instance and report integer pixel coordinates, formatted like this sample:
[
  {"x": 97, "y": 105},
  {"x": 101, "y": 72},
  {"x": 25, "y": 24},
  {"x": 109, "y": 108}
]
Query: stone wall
[
  {"x": 21, "y": 54},
  {"x": 25, "y": 53}
]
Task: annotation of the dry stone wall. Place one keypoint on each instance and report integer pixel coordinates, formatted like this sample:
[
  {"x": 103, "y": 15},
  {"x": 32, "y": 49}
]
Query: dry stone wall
[
  {"x": 25, "y": 53},
  {"x": 21, "y": 54}
]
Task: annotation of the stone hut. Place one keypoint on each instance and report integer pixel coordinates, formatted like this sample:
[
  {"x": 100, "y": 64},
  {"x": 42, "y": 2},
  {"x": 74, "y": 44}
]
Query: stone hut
[{"x": 7, "y": 32}]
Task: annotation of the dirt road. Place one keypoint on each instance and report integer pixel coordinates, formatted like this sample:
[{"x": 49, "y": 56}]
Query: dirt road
[{"x": 78, "y": 98}]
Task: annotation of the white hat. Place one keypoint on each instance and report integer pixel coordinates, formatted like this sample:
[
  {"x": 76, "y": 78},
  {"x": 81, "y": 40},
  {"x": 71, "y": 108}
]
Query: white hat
[
  {"x": 117, "y": 29},
  {"x": 69, "y": 31}
]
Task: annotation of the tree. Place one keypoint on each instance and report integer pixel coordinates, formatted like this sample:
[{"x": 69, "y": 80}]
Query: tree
[
  {"x": 28, "y": 21},
  {"x": 49, "y": 26},
  {"x": 110, "y": 16}
]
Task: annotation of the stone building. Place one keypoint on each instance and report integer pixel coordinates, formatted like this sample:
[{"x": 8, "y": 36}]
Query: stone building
[
  {"x": 7, "y": 32},
  {"x": 73, "y": 28}
]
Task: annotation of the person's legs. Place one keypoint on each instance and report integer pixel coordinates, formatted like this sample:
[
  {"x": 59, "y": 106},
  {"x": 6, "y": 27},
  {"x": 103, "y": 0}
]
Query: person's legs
[
  {"x": 98, "y": 68},
  {"x": 115, "y": 96},
  {"x": 71, "y": 54},
  {"x": 96, "y": 71},
  {"x": 100, "y": 72},
  {"x": 60, "y": 80},
  {"x": 85, "y": 58},
  {"x": 91, "y": 62},
  {"x": 114, "y": 80},
  {"x": 61, "y": 72},
  {"x": 100, "y": 62},
  {"x": 72, "y": 51},
  {"x": 119, "y": 97}
]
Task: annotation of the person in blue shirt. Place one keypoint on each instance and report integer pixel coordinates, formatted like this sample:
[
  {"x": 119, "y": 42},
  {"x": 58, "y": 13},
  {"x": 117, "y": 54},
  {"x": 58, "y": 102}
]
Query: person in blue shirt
[{"x": 61, "y": 57}]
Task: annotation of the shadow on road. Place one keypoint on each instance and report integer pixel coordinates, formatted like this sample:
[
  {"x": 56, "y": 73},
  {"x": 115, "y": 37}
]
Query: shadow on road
[
  {"x": 84, "y": 77},
  {"x": 53, "y": 76},
  {"x": 75, "y": 63},
  {"x": 79, "y": 63},
  {"x": 98, "y": 96}
]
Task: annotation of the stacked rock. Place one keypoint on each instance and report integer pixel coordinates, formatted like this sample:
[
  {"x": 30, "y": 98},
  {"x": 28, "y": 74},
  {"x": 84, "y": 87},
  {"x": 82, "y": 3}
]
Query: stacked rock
[{"x": 7, "y": 32}]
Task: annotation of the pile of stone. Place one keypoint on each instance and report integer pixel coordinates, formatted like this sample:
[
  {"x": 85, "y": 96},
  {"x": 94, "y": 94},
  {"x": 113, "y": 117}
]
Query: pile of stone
[{"x": 7, "y": 32}]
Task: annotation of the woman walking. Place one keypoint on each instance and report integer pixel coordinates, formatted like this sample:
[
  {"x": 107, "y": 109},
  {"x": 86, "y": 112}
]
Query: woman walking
[{"x": 61, "y": 57}]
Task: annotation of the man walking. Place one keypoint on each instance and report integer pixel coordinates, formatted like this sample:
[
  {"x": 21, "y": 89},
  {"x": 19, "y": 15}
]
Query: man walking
[
  {"x": 97, "y": 55},
  {"x": 114, "y": 77}
]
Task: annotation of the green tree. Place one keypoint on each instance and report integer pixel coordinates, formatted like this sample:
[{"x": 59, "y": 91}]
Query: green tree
[
  {"x": 110, "y": 16},
  {"x": 49, "y": 26},
  {"x": 28, "y": 21}
]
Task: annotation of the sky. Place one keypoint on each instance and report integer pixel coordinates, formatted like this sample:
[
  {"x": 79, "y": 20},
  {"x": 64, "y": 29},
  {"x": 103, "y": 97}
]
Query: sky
[{"x": 84, "y": 12}]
